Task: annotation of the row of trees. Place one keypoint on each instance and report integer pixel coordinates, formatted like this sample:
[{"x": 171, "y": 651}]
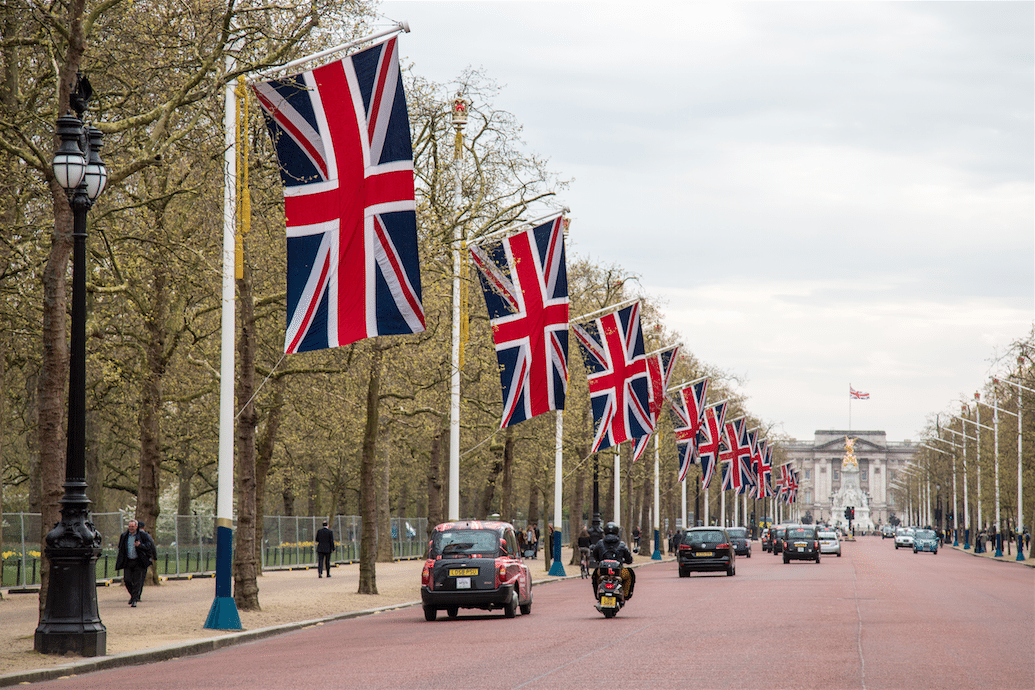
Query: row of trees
[
  {"x": 361, "y": 429},
  {"x": 976, "y": 466}
]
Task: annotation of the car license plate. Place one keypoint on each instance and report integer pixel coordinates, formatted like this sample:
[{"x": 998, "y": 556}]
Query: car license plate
[
  {"x": 461, "y": 572},
  {"x": 705, "y": 553},
  {"x": 609, "y": 602},
  {"x": 463, "y": 583}
]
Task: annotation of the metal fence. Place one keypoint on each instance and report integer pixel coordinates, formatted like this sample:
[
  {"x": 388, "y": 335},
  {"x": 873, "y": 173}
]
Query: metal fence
[{"x": 186, "y": 543}]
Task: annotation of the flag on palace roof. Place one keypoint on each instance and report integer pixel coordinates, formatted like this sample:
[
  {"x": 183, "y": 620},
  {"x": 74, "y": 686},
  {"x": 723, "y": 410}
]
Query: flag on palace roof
[
  {"x": 660, "y": 365},
  {"x": 612, "y": 348},
  {"x": 857, "y": 395},
  {"x": 525, "y": 283},
  {"x": 342, "y": 137}
]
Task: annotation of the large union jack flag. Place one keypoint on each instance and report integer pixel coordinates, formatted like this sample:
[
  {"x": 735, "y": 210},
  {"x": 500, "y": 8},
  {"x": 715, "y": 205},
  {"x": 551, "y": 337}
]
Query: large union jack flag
[
  {"x": 787, "y": 484},
  {"x": 612, "y": 347},
  {"x": 526, "y": 292},
  {"x": 687, "y": 413},
  {"x": 342, "y": 136},
  {"x": 660, "y": 365},
  {"x": 709, "y": 440}
]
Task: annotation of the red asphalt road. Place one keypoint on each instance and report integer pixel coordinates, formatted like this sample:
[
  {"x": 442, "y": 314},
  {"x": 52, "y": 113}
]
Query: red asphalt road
[{"x": 875, "y": 618}]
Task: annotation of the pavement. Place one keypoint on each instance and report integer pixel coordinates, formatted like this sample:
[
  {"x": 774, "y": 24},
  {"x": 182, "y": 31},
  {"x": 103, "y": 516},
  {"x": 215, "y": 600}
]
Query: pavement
[{"x": 130, "y": 642}]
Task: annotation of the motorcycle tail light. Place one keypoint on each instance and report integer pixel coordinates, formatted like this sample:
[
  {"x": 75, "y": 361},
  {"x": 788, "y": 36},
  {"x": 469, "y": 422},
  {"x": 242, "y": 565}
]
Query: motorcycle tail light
[{"x": 609, "y": 585}]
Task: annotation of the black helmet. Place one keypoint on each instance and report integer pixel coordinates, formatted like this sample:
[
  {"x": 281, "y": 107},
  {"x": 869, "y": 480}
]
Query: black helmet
[{"x": 611, "y": 528}]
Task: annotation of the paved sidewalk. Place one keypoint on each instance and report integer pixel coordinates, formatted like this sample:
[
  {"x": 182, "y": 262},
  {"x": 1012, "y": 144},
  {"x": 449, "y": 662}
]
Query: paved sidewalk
[{"x": 169, "y": 621}]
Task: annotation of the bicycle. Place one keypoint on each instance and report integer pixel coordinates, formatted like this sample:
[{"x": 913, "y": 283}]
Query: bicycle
[{"x": 584, "y": 564}]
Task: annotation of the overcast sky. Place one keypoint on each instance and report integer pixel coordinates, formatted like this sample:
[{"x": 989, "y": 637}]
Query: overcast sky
[{"x": 820, "y": 193}]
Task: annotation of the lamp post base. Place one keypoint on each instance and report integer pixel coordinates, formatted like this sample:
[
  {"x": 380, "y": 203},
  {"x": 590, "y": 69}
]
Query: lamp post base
[{"x": 70, "y": 623}]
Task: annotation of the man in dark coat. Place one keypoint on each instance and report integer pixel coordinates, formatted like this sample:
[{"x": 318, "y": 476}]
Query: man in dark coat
[
  {"x": 136, "y": 550},
  {"x": 324, "y": 549}
]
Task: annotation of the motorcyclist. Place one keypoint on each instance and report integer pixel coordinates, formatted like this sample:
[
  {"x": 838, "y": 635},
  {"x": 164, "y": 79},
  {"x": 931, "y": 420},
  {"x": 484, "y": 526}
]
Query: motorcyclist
[{"x": 612, "y": 546}]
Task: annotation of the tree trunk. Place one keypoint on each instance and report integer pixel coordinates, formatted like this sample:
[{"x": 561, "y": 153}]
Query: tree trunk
[
  {"x": 489, "y": 493},
  {"x": 368, "y": 502},
  {"x": 263, "y": 460},
  {"x": 533, "y": 500},
  {"x": 507, "y": 502},
  {"x": 384, "y": 511},
  {"x": 149, "y": 412},
  {"x": 54, "y": 362},
  {"x": 436, "y": 513},
  {"x": 53, "y": 377},
  {"x": 246, "y": 586},
  {"x": 577, "y": 521}
]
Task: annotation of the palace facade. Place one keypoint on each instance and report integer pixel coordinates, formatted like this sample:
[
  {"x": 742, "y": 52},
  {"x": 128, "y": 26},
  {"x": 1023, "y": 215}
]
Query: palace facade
[{"x": 819, "y": 468}]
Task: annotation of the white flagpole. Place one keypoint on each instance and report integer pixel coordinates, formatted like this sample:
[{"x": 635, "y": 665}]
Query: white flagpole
[
  {"x": 518, "y": 226},
  {"x": 271, "y": 71},
  {"x": 618, "y": 486},
  {"x": 685, "y": 525},
  {"x": 656, "y": 556},
  {"x": 608, "y": 309},
  {"x": 557, "y": 568},
  {"x": 223, "y": 613},
  {"x": 722, "y": 503}
]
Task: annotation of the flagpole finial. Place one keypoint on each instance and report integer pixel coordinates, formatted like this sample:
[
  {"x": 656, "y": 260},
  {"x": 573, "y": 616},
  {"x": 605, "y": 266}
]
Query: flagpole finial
[{"x": 461, "y": 107}]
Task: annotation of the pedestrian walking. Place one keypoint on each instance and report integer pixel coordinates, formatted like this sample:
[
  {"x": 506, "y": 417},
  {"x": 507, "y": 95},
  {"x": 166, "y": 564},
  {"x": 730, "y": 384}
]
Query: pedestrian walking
[
  {"x": 136, "y": 550},
  {"x": 324, "y": 549}
]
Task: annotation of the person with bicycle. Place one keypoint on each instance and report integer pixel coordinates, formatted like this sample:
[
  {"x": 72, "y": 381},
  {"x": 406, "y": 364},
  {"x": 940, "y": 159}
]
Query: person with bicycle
[{"x": 585, "y": 542}]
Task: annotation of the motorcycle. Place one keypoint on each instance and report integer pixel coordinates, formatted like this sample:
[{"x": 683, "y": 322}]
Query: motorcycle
[{"x": 610, "y": 595}]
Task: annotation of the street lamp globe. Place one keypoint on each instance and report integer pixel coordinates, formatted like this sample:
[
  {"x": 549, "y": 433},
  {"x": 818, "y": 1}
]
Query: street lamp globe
[
  {"x": 96, "y": 174},
  {"x": 69, "y": 162}
]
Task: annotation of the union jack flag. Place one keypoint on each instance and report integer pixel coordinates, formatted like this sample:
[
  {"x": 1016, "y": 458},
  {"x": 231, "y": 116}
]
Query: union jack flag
[
  {"x": 342, "y": 136},
  {"x": 687, "y": 416},
  {"x": 612, "y": 348},
  {"x": 857, "y": 395},
  {"x": 764, "y": 469},
  {"x": 659, "y": 366},
  {"x": 709, "y": 440},
  {"x": 525, "y": 283},
  {"x": 787, "y": 484},
  {"x": 737, "y": 454}
]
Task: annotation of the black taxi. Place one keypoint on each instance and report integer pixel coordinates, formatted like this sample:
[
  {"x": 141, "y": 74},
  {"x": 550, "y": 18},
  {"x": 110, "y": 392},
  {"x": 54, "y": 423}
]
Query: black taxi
[{"x": 475, "y": 564}]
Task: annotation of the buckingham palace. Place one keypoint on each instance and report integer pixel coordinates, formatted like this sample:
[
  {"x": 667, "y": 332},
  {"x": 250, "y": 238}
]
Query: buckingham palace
[{"x": 819, "y": 468}]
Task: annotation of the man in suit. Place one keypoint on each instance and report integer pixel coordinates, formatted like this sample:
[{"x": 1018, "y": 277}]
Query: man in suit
[
  {"x": 324, "y": 549},
  {"x": 136, "y": 550}
]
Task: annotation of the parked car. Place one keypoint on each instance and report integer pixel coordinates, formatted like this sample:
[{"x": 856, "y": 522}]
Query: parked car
[
  {"x": 706, "y": 549},
  {"x": 904, "y": 537},
  {"x": 801, "y": 543},
  {"x": 740, "y": 540},
  {"x": 475, "y": 565},
  {"x": 829, "y": 542},
  {"x": 925, "y": 540}
]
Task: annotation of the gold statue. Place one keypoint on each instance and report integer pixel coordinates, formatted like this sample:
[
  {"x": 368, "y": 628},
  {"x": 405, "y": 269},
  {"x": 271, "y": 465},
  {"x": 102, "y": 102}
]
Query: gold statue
[{"x": 849, "y": 462}]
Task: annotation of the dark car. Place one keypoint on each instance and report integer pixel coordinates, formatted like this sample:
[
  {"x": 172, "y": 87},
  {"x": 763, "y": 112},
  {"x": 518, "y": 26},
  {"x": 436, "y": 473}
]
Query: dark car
[
  {"x": 704, "y": 549},
  {"x": 740, "y": 540},
  {"x": 475, "y": 565},
  {"x": 801, "y": 543},
  {"x": 776, "y": 536}
]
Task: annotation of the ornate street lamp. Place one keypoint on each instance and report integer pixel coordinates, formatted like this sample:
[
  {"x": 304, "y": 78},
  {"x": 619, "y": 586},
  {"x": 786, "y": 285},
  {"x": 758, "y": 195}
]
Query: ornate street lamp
[{"x": 70, "y": 622}]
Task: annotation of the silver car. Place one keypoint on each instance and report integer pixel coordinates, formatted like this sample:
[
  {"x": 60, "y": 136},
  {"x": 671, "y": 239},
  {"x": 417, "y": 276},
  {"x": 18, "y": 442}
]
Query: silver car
[
  {"x": 829, "y": 543},
  {"x": 904, "y": 537}
]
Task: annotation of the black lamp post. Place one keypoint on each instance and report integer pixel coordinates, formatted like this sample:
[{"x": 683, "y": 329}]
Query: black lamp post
[{"x": 70, "y": 622}]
